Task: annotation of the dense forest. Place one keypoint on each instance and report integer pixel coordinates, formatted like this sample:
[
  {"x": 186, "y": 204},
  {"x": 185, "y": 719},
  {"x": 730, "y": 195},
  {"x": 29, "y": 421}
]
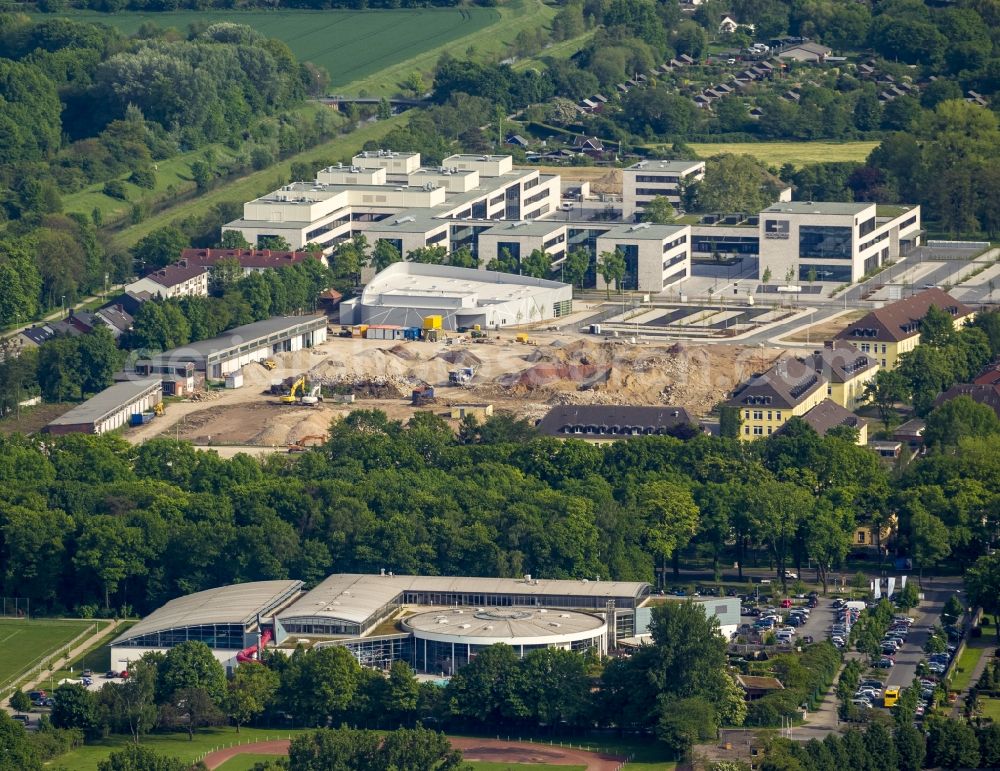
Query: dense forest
[{"x": 83, "y": 105}]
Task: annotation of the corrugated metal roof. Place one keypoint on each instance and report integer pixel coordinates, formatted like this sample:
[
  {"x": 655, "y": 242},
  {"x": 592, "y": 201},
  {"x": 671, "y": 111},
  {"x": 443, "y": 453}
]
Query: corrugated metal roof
[
  {"x": 107, "y": 402},
  {"x": 233, "y": 604}
]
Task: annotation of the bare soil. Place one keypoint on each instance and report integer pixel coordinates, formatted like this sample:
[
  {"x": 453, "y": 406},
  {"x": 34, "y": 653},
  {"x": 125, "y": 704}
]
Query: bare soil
[{"x": 525, "y": 379}]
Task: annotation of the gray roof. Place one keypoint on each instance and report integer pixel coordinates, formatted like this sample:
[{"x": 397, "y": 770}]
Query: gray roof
[
  {"x": 489, "y": 625},
  {"x": 645, "y": 231},
  {"x": 817, "y": 207},
  {"x": 355, "y": 597},
  {"x": 107, "y": 402},
  {"x": 233, "y": 604},
  {"x": 676, "y": 167},
  {"x": 237, "y": 336},
  {"x": 525, "y": 228},
  {"x": 563, "y": 420}
]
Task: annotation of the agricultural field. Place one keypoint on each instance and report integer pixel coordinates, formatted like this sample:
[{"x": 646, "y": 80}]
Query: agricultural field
[
  {"x": 351, "y": 45},
  {"x": 25, "y": 643},
  {"x": 796, "y": 153}
]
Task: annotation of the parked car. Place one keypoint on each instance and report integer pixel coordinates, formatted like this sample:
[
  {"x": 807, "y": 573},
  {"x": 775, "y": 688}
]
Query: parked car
[
  {"x": 23, "y": 719},
  {"x": 791, "y": 576},
  {"x": 110, "y": 675},
  {"x": 786, "y": 603},
  {"x": 885, "y": 663}
]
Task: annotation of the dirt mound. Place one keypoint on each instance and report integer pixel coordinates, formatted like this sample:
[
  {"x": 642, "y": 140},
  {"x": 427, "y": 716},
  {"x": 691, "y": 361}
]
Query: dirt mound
[
  {"x": 404, "y": 352},
  {"x": 460, "y": 357},
  {"x": 544, "y": 374},
  {"x": 609, "y": 183}
]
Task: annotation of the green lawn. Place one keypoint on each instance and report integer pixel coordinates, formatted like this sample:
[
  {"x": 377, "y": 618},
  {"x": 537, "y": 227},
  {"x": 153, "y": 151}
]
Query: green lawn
[
  {"x": 87, "y": 757},
  {"x": 963, "y": 669},
  {"x": 350, "y": 44},
  {"x": 991, "y": 709},
  {"x": 797, "y": 153},
  {"x": 25, "y": 643},
  {"x": 259, "y": 182}
]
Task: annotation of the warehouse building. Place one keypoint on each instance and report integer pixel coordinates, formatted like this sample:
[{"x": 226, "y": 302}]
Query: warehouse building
[
  {"x": 406, "y": 292},
  {"x": 227, "y": 619},
  {"x": 112, "y": 408},
  {"x": 240, "y": 346}
]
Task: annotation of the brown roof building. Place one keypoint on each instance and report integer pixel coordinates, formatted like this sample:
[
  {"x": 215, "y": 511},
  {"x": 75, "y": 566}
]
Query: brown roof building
[
  {"x": 893, "y": 330},
  {"x": 982, "y": 394},
  {"x": 249, "y": 259},
  {"x": 847, "y": 371},
  {"x": 766, "y": 401},
  {"x": 607, "y": 422},
  {"x": 828, "y": 414}
]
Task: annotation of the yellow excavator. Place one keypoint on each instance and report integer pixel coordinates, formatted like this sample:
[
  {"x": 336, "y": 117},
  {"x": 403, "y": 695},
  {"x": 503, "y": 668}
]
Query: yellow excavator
[{"x": 295, "y": 392}]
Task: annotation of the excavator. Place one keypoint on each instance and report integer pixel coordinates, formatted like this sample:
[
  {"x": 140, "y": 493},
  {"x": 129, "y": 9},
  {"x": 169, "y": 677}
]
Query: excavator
[
  {"x": 314, "y": 396},
  {"x": 295, "y": 392}
]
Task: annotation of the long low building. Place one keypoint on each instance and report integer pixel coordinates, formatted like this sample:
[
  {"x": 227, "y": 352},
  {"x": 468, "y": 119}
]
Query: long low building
[
  {"x": 240, "y": 346},
  {"x": 110, "y": 409},
  {"x": 405, "y": 292},
  {"x": 434, "y": 623}
]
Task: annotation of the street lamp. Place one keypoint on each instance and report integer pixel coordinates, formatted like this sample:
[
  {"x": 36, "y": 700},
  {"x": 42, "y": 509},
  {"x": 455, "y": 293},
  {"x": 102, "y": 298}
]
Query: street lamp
[{"x": 62, "y": 304}]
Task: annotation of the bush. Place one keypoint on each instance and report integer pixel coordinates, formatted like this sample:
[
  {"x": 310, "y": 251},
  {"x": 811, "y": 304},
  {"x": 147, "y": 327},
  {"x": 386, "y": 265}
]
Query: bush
[
  {"x": 115, "y": 188},
  {"x": 143, "y": 177}
]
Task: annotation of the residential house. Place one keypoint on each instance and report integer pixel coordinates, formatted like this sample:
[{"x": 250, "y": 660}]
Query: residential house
[
  {"x": 115, "y": 318},
  {"x": 755, "y": 687},
  {"x": 250, "y": 259},
  {"x": 989, "y": 376},
  {"x": 180, "y": 279},
  {"x": 591, "y": 146},
  {"x": 894, "y": 329},
  {"x": 988, "y": 395},
  {"x": 601, "y": 422},
  {"x": 729, "y": 25},
  {"x": 767, "y": 401},
  {"x": 847, "y": 371},
  {"x": 828, "y": 414},
  {"x": 910, "y": 433},
  {"x": 805, "y": 52}
]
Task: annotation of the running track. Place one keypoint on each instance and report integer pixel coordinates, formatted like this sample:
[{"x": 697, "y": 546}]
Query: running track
[{"x": 472, "y": 749}]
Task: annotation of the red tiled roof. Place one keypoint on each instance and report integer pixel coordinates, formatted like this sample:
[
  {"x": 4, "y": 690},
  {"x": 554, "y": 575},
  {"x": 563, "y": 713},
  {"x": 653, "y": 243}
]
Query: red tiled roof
[
  {"x": 248, "y": 258},
  {"x": 176, "y": 273}
]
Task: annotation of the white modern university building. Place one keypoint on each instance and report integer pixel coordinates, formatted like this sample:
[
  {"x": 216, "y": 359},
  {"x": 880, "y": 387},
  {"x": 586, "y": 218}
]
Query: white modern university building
[
  {"x": 405, "y": 292},
  {"x": 434, "y": 623},
  {"x": 483, "y": 203}
]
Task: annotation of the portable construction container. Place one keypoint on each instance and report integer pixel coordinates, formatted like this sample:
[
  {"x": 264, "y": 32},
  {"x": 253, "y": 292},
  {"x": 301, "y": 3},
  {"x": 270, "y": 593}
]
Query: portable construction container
[
  {"x": 234, "y": 380},
  {"x": 432, "y": 322}
]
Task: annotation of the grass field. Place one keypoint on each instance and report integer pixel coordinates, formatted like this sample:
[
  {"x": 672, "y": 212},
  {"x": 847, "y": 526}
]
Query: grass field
[
  {"x": 25, "y": 643},
  {"x": 962, "y": 678},
  {"x": 991, "y": 709},
  {"x": 260, "y": 182},
  {"x": 797, "y": 153},
  {"x": 486, "y": 766},
  {"x": 350, "y": 44}
]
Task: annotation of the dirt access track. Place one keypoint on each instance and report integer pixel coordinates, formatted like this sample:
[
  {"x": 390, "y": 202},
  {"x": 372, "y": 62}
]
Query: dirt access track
[
  {"x": 490, "y": 750},
  {"x": 527, "y": 379}
]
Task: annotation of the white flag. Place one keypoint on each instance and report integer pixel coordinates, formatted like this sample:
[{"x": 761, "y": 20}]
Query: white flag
[
  {"x": 903, "y": 582},
  {"x": 892, "y": 586},
  {"x": 878, "y": 589}
]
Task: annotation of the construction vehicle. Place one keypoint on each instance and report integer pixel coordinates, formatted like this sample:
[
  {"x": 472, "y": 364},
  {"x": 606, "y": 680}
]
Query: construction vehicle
[
  {"x": 477, "y": 334},
  {"x": 269, "y": 364},
  {"x": 315, "y": 396},
  {"x": 461, "y": 377},
  {"x": 295, "y": 392},
  {"x": 522, "y": 337},
  {"x": 422, "y": 395}
]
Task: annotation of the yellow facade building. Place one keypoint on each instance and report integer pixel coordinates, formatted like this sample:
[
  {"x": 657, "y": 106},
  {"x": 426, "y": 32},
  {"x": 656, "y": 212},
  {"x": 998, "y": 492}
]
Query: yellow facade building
[
  {"x": 847, "y": 371},
  {"x": 768, "y": 401},
  {"x": 887, "y": 333}
]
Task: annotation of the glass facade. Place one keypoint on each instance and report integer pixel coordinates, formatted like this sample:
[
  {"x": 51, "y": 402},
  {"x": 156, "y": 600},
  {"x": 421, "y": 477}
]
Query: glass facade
[
  {"x": 631, "y": 252},
  {"x": 825, "y": 241},
  {"x": 835, "y": 272},
  {"x": 444, "y": 658},
  {"x": 219, "y": 636},
  {"x": 380, "y": 652}
]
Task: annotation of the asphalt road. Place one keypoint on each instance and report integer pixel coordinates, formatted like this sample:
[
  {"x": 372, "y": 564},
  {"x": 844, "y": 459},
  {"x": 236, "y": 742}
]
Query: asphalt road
[{"x": 926, "y": 615}]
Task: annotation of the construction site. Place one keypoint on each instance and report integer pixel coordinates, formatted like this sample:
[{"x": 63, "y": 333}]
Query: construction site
[{"x": 289, "y": 401}]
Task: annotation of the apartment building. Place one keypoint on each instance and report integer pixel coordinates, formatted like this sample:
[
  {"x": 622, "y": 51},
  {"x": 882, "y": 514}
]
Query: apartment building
[
  {"x": 646, "y": 180},
  {"x": 767, "y": 401},
  {"x": 179, "y": 279},
  {"x": 847, "y": 371},
  {"x": 888, "y": 332}
]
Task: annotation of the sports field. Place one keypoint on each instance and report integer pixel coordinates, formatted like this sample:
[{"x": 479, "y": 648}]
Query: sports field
[
  {"x": 797, "y": 153},
  {"x": 349, "y": 44},
  {"x": 25, "y": 643}
]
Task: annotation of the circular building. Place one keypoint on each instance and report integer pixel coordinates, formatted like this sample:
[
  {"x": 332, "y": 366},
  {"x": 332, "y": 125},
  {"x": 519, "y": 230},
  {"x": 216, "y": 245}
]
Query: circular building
[{"x": 445, "y": 640}]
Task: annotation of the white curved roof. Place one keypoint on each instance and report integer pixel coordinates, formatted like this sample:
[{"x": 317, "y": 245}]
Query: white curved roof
[
  {"x": 486, "y": 626},
  {"x": 233, "y": 604},
  {"x": 355, "y": 597}
]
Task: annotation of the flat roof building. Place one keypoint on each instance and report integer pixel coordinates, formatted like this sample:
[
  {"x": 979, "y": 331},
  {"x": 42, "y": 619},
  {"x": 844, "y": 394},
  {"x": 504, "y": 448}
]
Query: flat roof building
[
  {"x": 219, "y": 356},
  {"x": 646, "y": 180},
  {"x": 656, "y": 256},
  {"x": 112, "y": 408},
  {"x": 405, "y": 292}
]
